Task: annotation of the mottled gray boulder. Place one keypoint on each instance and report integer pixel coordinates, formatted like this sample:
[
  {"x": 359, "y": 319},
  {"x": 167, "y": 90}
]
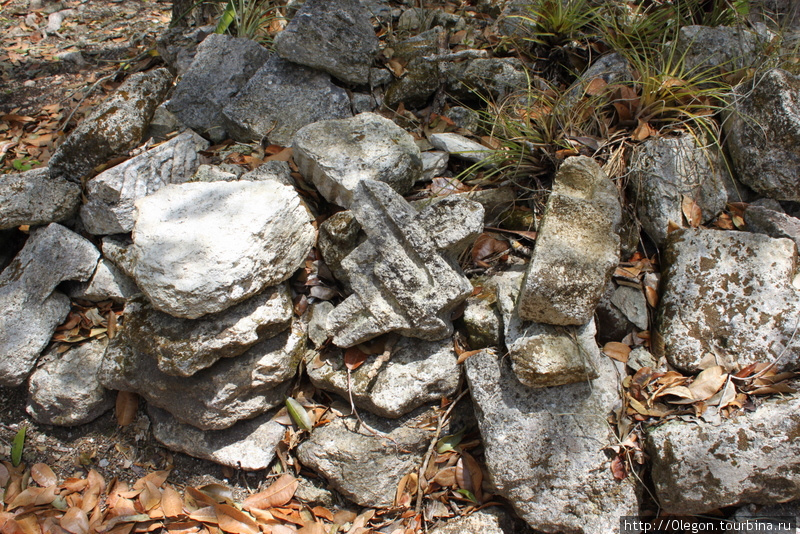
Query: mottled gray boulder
[
  {"x": 483, "y": 322},
  {"x": 749, "y": 458},
  {"x": 418, "y": 372},
  {"x": 111, "y": 194},
  {"x": 665, "y": 169},
  {"x": 402, "y": 278},
  {"x": 543, "y": 355},
  {"x": 492, "y": 78},
  {"x": 720, "y": 49},
  {"x": 773, "y": 223},
  {"x": 339, "y": 235},
  {"x": 335, "y": 37},
  {"x": 727, "y": 298},
  {"x": 119, "y": 250},
  {"x": 64, "y": 389},
  {"x": 434, "y": 163},
  {"x": 271, "y": 170},
  {"x": 107, "y": 282},
  {"x": 612, "y": 324},
  {"x": 30, "y": 308},
  {"x": 215, "y": 398},
  {"x": 203, "y": 247},
  {"x": 544, "y": 447},
  {"x": 494, "y": 520},
  {"x": 763, "y": 134},
  {"x": 280, "y": 99},
  {"x": 337, "y": 154},
  {"x": 247, "y": 445},
  {"x": 633, "y": 305},
  {"x": 183, "y": 347},
  {"x": 361, "y": 466},
  {"x": 115, "y": 127},
  {"x": 222, "y": 66},
  {"x": 577, "y": 247},
  {"x": 34, "y": 198},
  {"x": 415, "y": 19},
  {"x": 460, "y": 147},
  {"x": 422, "y": 77}
]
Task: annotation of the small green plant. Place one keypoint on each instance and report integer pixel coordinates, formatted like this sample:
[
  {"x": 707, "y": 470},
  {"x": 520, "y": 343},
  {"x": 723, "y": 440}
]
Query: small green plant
[
  {"x": 17, "y": 445},
  {"x": 24, "y": 164},
  {"x": 253, "y": 19}
]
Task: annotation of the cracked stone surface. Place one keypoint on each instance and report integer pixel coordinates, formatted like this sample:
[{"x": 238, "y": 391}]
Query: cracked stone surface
[{"x": 402, "y": 277}]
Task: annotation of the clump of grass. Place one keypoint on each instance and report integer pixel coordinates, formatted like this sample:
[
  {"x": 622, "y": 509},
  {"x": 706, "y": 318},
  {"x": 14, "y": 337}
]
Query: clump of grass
[{"x": 258, "y": 20}]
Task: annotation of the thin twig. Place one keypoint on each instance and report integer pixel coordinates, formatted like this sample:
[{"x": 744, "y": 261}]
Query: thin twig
[{"x": 428, "y": 455}]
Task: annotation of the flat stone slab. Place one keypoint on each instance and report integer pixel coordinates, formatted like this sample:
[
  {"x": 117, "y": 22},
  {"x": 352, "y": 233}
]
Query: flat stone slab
[
  {"x": 107, "y": 282},
  {"x": 337, "y": 154},
  {"x": 749, "y": 458},
  {"x": 222, "y": 66},
  {"x": 544, "y": 447},
  {"x": 114, "y": 127},
  {"x": 64, "y": 389},
  {"x": 577, "y": 247},
  {"x": 418, "y": 372},
  {"x": 281, "y": 98},
  {"x": 247, "y": 445},
  {"x": 460, "y": 147},
  {"x": 727, "y": 299},
  {"x": 402, "y": 280},
  {"x": 200, "y": 248},
  {"x": 30, "y": 308},
  {"x": 34, "y": 198},
  {"x": 111, "y": 194},
  {"x": 334, "y": 37},
  {"x": 183, "y": 347},
  {"x": 215, "y": 398}
]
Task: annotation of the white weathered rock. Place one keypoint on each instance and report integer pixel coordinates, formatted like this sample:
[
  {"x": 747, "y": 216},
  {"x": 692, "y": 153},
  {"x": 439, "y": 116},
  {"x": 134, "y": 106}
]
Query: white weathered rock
[
  {"x": 111, "y": 195},
  {"x": 632, "y": 303},
  {"x": 720, "y": 49},
  {"x": 494, "y": 520},
  {"x": 773, "y": 223},
  {"x": 400, "y": 276},
  {"x": 577, "y": 247},
  {"x": 483, "y": 322},
  {"x": 30, "y": 308},
  {"x": 64, "y": 389},
  {"x": 337, "y": 154},
  {"x": 118, "y": 249},
  {"x": 183, "y": 347},
  {"x": 434, "y": 163},
  {"x": 418, "y": 372},
  {"x": 222, "y": 66},
  {"x": 34, "y": 198},
  {"x": 665, "y": 169},
  {"x": 339, "y": 235},
  {"x": 280, "y": 99},
  {"x": 335, "y": 37},
  {"x": 749, "y": 458},
  {"x": 107, "y": 282},
  {"x": 114, "y": 127},
  {"x": 215, "y": 398},
  {"x": 544, "y": 447},
  {"x": 544, "y": 355},
  {"x": 763, "y": 134},
  {"x": 727, "y": 299},
  {"x": 460, "y": 147},
  {"x": 247, "y": 445},
  {"x": 202, "y": 247}
]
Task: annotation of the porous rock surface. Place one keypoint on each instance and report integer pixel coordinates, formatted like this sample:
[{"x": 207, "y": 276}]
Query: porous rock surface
[{"x": 33, "y": 198}]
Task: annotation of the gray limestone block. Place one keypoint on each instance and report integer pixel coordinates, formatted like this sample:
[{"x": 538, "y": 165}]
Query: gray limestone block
[
  {"x": 213, "y": 173},
  {"x": 718, "y": 49},
  {"x": 663, "y": 170},
  {"x": 115, "y": 127},
  {"x": 111, "y": 195},
  {"x": 337, "y": 154},
  {"x": 773, "y": 223},
  {"x": 577, "y": 247},
  {"x": 460, "y": 147},
  {"x": 748, "y": 458},
  {"x": 492, "y": 520},
  {"x": 422, "y": 77},
  {"x": 335, "y": 37},
  {"x": 183, "y": 347},
  {"x": 434, "y": 163},
  {"x": 119, "y": 250},
  {"x": 632, "y": 303},
  {"x": 51, "y": 255},
  {"x": 492, "y": 78},
  {"x": 248, "y": 445},
  {"x": 763, "y": 134},
  {"x": 281, "y": 98},
  {"x": 544, "y": 355},
  {"x": 483, "y": 322},
  {"x": 231, "y": 390},
  {"x": 64, "y": 389},
  {"x": 271, "y": 170},
  {"x": 544, "y": 447},
  {"x": 727, "y": 299},
  {"x": 339, "y": 235},
  {"x": 200, "y": 248},
  {"x": 612, "y": 324},
  {"x": 34, "y": 198},
  {"x": 418, "y": 372},
  {"x": 107, "y": 282},
  {"x": 222, "y": 66}
]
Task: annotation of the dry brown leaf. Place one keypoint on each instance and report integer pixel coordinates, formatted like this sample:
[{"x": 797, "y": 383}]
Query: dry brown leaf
[
  {"x": 156, "y": 477},
  {"x": 150, "y": 497},
  {"x": 596, "y": 87},
  {"x": 313, "y": 528},
  {"x": 324, "y": 513},
  {"x": 279, "y": 493},
  {"x": 466, "y": 354},
  {"x": 218, "y": 492},
  {"x": 344, "y": 516},
  {"x": 43, "y": 475},
  {"x": 486, "y": 246},
  {"x": 207, "y": 514},
  {"x": 619, "y": 468},
  {"x": 354, "y": 358},
  {"x": 708, "y": 382},
  {"x": 171, "y": 502},
  {"x": 23, "y": 524},
  {"x": 651, "y": 295},
  {"x": 692, "y": 212},
  {"x": 617, "y": 351},
  {"x": 235, "y": 521},
  {"x": 75, "y": 521},
  {"x": 283, "y": 155},
  {"x": 446, "y": 477},
  {"x": 643, "y": 131},
  {"x": 127, "y": 407}
]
